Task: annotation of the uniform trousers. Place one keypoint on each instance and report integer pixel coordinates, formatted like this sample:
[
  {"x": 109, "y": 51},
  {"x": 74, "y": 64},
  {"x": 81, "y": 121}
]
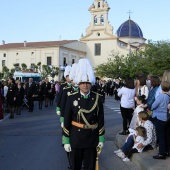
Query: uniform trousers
[{"x": 86, "y": 155}]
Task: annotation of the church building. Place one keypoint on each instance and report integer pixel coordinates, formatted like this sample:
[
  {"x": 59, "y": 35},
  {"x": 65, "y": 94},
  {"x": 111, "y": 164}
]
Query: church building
[{"x": 97, "y": 44}]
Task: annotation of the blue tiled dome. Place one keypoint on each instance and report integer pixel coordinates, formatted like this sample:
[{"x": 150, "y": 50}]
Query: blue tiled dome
[{"x": 129, "y": 29}]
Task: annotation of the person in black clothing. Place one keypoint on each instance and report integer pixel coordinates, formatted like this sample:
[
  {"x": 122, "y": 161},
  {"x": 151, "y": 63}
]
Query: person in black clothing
[
  {"x": 30, "y": 92},
  {"x": 83, "y": 129},
  {"x": 51, "y": 94},
  {"x": 11, "y": 96},
  {"x": 40, "y": 91},
  {"x": 103, "y": 90},
  {"x": 66, "y": 84},
  {"x": 117, "y": 86},
  {"x": 46, "y": 88},
  {"x": 19, "y": 98}
]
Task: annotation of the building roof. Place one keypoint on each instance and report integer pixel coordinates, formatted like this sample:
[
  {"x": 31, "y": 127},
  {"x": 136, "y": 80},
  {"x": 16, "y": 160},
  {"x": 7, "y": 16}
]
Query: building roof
[
  {"x": 129, "y": 29},
  {"x": 35, "y": 44}
]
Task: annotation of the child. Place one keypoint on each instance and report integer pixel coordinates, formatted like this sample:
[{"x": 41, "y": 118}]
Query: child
[
  {"x": 140, "y": 100},
  {"x": 139, "y": 137}
]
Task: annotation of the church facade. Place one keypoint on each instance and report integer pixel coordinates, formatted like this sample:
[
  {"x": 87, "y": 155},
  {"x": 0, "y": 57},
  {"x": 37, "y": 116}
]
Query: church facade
[{"x": 97, "y": 44}]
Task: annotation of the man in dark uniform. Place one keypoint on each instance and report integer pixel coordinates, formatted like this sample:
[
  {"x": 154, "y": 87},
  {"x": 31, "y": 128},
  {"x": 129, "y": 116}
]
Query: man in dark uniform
[
  {"x": 46, "y": 88},
  {"x": 83, "y": 129},
  {"x": 30, "y": 91},
  {"x": 66, "y": 84},
  {"x": 67, "y": 91}
]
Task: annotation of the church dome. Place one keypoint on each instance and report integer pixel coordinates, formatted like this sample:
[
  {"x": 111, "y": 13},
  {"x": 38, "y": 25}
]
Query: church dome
[{"x": 129, "y": 29}]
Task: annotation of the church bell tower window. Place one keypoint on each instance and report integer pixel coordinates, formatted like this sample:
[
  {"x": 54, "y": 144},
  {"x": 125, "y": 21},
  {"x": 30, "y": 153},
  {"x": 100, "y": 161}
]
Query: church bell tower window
[
  {"x": 98, "y": 4},
  {"x": 102, "y": 19},
  {"x": 95, "y": 20}
]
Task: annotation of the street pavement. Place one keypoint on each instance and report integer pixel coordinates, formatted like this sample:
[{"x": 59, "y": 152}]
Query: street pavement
[{"x": 32, "y": 141}]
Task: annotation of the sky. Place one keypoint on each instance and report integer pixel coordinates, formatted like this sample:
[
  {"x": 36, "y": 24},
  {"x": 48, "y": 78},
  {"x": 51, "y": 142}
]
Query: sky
[{"x": 53, "y": 20}]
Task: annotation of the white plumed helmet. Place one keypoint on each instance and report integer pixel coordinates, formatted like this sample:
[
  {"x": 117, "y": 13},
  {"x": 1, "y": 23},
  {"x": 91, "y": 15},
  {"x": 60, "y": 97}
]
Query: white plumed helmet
[
  {"x": 67, "y": 71},
  {"x": 72, "y": 74},
  {"x": 85, "y": 72}
]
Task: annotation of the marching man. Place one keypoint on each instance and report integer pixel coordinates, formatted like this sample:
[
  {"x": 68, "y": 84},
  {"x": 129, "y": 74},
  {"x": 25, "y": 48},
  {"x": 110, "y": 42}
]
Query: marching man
[
  {"x": 66, "y": 84},
  {"x": 83, "y": 130}
]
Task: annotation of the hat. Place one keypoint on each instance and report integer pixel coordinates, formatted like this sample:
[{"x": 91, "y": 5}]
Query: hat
[
  {"x": 72, "y": 74},
  {"x": 67, "y": 71},
  {"x": 85, "y": 72}
]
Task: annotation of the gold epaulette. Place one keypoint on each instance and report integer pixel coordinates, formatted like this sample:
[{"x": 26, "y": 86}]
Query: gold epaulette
[
  {"x": 97, "y": 93},
  {"x": 66, "y": 87},
  {"x": 70, "y": 94}
]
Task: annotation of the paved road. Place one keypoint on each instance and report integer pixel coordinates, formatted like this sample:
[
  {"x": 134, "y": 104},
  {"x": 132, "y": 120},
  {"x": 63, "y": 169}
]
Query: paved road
[{"x": 32, "y": 141}]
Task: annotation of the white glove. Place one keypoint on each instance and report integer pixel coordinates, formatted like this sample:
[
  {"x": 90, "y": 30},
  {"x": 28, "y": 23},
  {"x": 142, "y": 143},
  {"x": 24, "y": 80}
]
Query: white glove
[
  {"x": 100, "y": 144},
  {"x": 58, "y": 113},
  {"x": 62, "y": 124},
  {"x": 67, "y": 147}
]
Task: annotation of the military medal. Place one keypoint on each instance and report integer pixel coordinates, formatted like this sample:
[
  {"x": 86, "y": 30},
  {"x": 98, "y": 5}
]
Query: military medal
[{"x": 75, "y": 103}]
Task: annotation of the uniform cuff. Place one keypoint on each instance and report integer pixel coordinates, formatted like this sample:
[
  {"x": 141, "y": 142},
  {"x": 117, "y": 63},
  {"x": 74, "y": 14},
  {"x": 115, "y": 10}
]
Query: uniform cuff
[
  {"x": 61, "y": 119},
  {"x": 65, "y": 140},
  {"x": 57, "y": 109},
  {"x": 101, "y": 139}
]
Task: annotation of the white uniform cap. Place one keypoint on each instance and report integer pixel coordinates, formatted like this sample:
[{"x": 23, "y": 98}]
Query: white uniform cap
[
  {"x": 72, "y": 74},
  {"x": 85, "y": 72},
  {"x": 67, "y": 71}
]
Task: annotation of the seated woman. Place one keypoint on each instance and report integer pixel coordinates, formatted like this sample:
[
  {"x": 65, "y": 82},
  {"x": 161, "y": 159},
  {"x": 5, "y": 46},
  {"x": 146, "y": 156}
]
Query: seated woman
[{"x": 150, "y": 141}]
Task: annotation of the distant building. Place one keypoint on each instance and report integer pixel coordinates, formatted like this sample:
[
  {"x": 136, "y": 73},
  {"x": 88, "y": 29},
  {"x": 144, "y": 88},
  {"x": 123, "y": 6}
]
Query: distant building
[{"x": 97, "y": 44}]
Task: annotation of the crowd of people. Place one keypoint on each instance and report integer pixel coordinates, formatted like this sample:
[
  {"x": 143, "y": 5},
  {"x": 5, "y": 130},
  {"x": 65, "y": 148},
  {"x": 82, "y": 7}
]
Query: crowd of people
[
  {"x": 144, "y": 102},
  {"x": 15, "y": 95}
]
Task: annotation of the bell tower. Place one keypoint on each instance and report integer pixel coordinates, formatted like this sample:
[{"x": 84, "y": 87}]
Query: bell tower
[{"x": 99, "y": 25}]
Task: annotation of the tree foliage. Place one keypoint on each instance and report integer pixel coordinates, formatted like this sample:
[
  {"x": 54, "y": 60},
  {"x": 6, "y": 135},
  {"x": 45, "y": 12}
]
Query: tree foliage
[{"x": 154, "y": 59}]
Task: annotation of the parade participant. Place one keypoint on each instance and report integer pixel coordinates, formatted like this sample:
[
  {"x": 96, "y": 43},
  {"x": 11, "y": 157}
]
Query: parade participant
[
  {"x": 1, "y": 111},
  {"x": 51, "y": 94},
  {"x": 11, "y": 96},
  {"x": 66, "y": 92},
  {"x": 66, "y": 84},
  {"x": 30, "y": 91},
  {"x": 40, "y": 91},
  {"x": 83, "y": 130},
  {"x": 19, "y": 97},
  {"x": 46, "y": 88}
]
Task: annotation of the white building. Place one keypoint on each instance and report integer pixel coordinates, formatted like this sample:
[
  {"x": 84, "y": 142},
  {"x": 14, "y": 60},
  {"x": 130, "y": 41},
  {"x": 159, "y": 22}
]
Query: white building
[{"x": 97, "y": 44}]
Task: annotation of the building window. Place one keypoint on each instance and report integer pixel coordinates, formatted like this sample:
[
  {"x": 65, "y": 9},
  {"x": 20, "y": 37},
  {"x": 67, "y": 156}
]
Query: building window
[
  {"x": 4, "y": 54},
  {"x": 32, "y": 53},
  {"x": 16, "y": 53},
  {"x": 102, "y": 19},
  {"x": 64, "y": 62},
  {"x": 49, "y": 61},
  {"x": 95, "y": 20},
  {"x": 98, "y": 34},
  {"x": 98, "y": 4},
  {"x": 3, "y": 63},
  {"x": 97, "y": 49},
  {"x": 73, "y": 61}
]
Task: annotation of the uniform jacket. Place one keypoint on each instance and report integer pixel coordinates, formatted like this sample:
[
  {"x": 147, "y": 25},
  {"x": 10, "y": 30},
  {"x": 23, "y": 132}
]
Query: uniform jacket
[
  {"x": 60, "y": 94},
  {"x": 93, "y": 112},
  {"x": 30, "y": 89},
  {"x": 66, "y": 91}
]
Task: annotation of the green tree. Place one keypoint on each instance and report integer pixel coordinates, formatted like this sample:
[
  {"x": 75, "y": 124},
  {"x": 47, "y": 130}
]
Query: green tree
[
  {"x": 6, "y": 73},
  {"x": 23, "y": 66},
  {"x": 157, "y": 56}
]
